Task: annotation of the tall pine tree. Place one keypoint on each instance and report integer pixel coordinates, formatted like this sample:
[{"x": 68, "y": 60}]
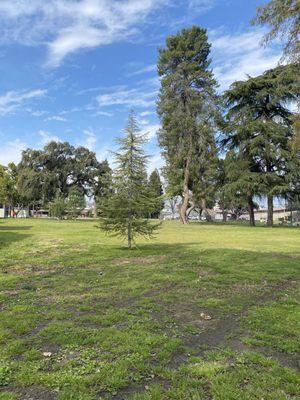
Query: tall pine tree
[
  {"x": 122, "y": 212},
  {"x": 186, "y": 108}
]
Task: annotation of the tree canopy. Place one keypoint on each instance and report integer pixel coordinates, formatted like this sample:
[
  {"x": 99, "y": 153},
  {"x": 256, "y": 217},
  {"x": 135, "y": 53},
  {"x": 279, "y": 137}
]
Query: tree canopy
[{"x": 259, "y": 127}]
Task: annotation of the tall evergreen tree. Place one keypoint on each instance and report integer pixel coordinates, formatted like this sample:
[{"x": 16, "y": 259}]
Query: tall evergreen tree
[
  {"x": 260, "y": 128},
  {"x": 186, "y": 108},
  {"x": 122, "y": 212},
  {"x": 155, "y": 187}
]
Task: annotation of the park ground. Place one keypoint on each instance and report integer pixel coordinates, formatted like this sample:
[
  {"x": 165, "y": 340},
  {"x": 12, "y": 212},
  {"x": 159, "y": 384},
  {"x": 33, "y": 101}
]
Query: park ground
[{"x": 204, "y": 311}]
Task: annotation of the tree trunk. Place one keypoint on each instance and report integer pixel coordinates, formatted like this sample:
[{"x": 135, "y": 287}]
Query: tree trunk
[
  {"x": 95, "y": 210},
  {"x": 129, "y": 232},
  {"x": 224, "y": 213},
  {"x": 185, "y": 194},
  {"x": 251, "y": 211},
  {"x": 270, "y": 211}
]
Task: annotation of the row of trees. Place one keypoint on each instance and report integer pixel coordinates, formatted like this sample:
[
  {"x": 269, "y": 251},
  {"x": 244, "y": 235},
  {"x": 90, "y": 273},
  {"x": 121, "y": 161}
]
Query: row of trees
[
  {"x": 61, "y": 178},
  {"x": 237, "y": 147}
]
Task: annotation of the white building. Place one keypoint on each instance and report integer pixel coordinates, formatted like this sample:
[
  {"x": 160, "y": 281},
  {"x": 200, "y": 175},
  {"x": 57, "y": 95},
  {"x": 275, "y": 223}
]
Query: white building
[{"x": 3, "y": 211}]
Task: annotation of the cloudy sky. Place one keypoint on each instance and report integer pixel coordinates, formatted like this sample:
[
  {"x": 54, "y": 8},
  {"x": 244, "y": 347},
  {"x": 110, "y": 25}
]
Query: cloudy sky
[{"x": 71, "y": 69}]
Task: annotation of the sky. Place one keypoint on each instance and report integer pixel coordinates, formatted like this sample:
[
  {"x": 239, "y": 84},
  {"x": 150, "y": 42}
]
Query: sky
[{"x": 70, "y": 70}]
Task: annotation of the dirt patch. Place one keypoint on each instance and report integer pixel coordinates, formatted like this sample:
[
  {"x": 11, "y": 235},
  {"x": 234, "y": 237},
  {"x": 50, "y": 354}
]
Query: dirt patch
[
  {"x": 36, "y": 270},
  {"x": 249, "y": 287},
  {"x": 36, "y": 393},
  {"x": 220, "y": 332},
  {"x": 139, "y": 260},
  {"x": 288, "y": 360},
  {"x": 203, "y": 273}
]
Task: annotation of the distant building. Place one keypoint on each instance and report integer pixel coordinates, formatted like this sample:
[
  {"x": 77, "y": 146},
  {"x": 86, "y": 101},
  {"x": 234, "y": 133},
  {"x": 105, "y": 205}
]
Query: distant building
[{"x": 4, "y": 211}]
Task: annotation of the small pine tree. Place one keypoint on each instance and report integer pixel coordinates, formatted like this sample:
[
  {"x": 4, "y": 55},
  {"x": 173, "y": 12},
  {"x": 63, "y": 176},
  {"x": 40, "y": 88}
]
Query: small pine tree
[
  {"x": 122, "y": 212},
  {"x": 75, "y": 202},
  {"x": 58, "y": 207}
]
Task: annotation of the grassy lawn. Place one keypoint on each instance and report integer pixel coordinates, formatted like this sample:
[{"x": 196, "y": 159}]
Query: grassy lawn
[{"x": 205, "y": 311}]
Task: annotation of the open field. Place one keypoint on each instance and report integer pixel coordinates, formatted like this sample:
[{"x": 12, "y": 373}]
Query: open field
[{"x": 83, "y": 318}]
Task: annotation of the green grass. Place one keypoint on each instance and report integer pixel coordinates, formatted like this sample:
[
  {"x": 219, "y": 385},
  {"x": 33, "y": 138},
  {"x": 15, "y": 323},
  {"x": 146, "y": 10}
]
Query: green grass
[{"x": 123, "y": 324}]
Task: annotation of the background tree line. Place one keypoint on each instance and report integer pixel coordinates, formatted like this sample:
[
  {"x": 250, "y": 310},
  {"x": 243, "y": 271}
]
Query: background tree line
[{"x": 61, "y": 178}]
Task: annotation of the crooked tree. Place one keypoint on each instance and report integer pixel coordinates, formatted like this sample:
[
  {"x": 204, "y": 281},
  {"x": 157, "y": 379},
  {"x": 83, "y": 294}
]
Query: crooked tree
[{"x": 187, "y": 109}]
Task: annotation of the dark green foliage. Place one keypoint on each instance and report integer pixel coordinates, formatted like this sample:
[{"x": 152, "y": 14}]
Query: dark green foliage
[
  {"x": 57, "y": 207},
  {"x": 155, "y": 187},
  {"x": 187, "y": 109},
  {"x": 260, "y": 131},
  {"x": 103, "y": 188},
  {"x": 75, "y": 202},
  {"x": 282, "y": 16},
  {"x": 9, "y": 194},
  {"x": 123, "y": 209},
  {"x": 57, "y": 167},
  {"x": 230, "y": 196}
]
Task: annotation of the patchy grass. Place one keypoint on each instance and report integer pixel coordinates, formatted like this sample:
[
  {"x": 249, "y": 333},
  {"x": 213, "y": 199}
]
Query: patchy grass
[{"x": 205, "y": 311}]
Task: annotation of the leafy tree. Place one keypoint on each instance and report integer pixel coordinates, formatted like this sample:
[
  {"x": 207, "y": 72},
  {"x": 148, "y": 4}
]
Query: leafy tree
[
  {"x": 75, "y": 202},
  {"x": 282, "y": 16},
  {"x": 260, "y": 130},
  {"x": 57, "y": 207},
  {"x": 8, "y": 186},
  {"x": 187, "y": 109},
  {"x": 123, "y": 210},
  {"x": 57, "y": 167},
  {"x": 155, "y": 187}
]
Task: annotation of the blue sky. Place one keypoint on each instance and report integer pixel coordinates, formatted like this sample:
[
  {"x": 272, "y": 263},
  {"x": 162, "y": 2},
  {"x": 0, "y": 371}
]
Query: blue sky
[{"x": 72, "y": 69}]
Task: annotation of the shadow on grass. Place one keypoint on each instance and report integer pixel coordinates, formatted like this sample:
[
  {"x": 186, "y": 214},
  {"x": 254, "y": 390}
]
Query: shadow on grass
[
  {"x": 241, "y": 224},
  {"x": 7, "y": 239},
  {"x": 15, "y": 228}
]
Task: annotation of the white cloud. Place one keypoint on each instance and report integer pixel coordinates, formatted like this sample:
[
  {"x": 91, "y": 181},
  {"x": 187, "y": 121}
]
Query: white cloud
[
  {"x": 11, "y": 151},
  {"x": 47, "y": 137},
  {"x": 127, "y": 97},
  {"x": 155, "y": 162},
  {"x": 200, "y": 6},
  {"x": 146, "y": 113},
  {"x": 36, "y": 113},
  {"x": 67, "y": 26},
  {"x": 56, "y": 118},
  {"x": 239, "y": 55},
  {"x": 103, "y": 113},
  {"x": 90, "y": 139},
  {"x": 13, "y": 100},
  {"x": 151, "y": 130},
  {"x": 149, "y": 68}
]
